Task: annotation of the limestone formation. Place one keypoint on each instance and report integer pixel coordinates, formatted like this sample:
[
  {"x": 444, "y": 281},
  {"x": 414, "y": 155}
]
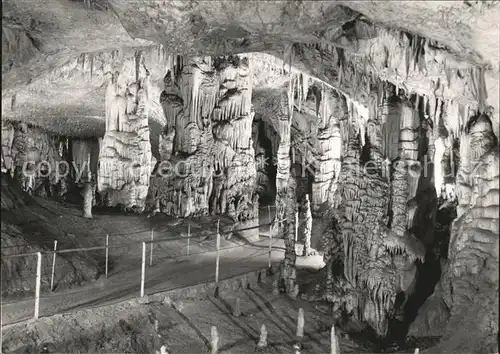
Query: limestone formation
[
  {"x": 334, "y": 342},
  {"x": 125, "y": 150},
  {"x": 85, "y": 161},
  {"x": 263, "y": 337},
  {"x": 329, "y": 137},
  {"x": 207, "y": 103},
  {"x": 375, "y": 258},
  {"x": 307, "y": 227},
  {"x": 467, "y": 283},
  {"x": 385, "y": 113},
  {"x": 237, "y": 308},
  {"x": 36, "y": 159},
  {"x": 285, "y": 190},
  {"x": 300, "y": 325},
  {"x": 214, "y": 340}
]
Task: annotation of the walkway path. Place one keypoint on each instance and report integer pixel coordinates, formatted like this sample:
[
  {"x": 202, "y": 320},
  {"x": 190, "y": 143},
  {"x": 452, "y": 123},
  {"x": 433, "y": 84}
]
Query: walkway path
[{"x": 166, "y": 275}]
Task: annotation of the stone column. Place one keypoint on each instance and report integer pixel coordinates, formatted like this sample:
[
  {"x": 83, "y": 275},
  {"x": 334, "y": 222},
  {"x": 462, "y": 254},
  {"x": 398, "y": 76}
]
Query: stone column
[
  {"x": 87, "y": 200},
  {"x": 207, "y": 103},
  {"x": 125, "y": 153},
  {"x": 82, "y": 151},
  {"x": 285, "y": 196},
  {"x": 406, "y": 170},
  {"x": 7, "y": 142},
  {"x": 330, "y": 148},
  {"x": 307, "y": 227}
]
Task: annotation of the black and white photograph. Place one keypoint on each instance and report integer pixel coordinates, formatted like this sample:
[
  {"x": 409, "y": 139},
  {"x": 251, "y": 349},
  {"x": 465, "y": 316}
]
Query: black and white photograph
[{"x": 250, "y": 176}]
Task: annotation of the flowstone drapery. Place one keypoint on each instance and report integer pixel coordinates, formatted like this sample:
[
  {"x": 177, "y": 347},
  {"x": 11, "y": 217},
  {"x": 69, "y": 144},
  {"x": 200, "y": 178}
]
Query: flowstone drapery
[
  {"x": 468, "y": 287},
  {"x": 85, "y": 156},
  {"x": 285, "y": 190},
  {"x": 35, "y": 158},
  {"x": 369, "y": 227},
  {"x": 329, "y": 152},
  {"x": 125, "y": 151},
  {"x": 206, "y": 147},
  {"x": 307, "y": 227}
]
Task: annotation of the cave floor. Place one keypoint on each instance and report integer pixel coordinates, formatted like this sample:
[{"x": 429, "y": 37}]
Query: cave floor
[
  {"x": 184, "y": 326},
  {"x": 171, "y": 268}
]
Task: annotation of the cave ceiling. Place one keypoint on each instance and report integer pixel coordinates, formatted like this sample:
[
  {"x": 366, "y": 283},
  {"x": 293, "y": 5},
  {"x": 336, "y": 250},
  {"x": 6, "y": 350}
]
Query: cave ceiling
[{"x": 56, "y": 53}]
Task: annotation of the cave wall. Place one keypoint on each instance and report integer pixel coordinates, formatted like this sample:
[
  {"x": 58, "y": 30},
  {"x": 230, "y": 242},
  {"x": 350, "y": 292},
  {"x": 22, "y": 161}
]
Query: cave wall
[
  {"x": 464, "y": 305},
  {"x": 36, "y": 159},
  {"x": 400, "y": 156},
  {"x": 208, "y": 158},
  {"x": 382, "y": 213}
]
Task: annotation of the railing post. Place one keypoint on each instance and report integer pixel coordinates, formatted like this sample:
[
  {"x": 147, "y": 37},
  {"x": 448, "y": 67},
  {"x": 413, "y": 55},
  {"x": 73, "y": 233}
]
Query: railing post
[
  {"x": 143, "y": 268},
  {"x": 38, "y": 281},
  {"x": 270, "y": 234},
  {"x": 151, "y": 252},
  {"x": 53, "y": 267},
  {"x": 217, "y": 255},
  {"x": 107, "y": 254},
  {"x": 189, "y": 238}
]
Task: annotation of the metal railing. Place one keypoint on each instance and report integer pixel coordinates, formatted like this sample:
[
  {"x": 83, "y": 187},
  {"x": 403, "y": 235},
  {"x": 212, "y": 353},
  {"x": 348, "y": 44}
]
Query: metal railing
[{"x": 46, "y": 260}]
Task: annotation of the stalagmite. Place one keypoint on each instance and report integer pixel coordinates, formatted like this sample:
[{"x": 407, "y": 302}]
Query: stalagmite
[
  {"x": 8, "y": 131},
  {"x": 307, "y": 227},
  {"x": 263, "y": 337},
  {"x": 214, "y": 340},
  {"x": 125, "y": 153},
  {"x": 209, "y": 117},
  {"x": 334, "y": 342},
  {"x": 87, "y": 200},
  {"x": 330, "y": 148},
  {"x": 237, "y": 308},
  {"x": 85, "y": 165},
  {"x": 300, "y": 325},
  {"x": 285, "y": 190}
]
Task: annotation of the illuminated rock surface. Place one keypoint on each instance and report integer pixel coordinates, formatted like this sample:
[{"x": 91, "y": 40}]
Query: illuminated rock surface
[{"x": 385, "y": 113}]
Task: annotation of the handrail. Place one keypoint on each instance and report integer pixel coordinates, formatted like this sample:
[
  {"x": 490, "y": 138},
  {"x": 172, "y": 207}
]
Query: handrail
[{"x": 95, "y": 248}]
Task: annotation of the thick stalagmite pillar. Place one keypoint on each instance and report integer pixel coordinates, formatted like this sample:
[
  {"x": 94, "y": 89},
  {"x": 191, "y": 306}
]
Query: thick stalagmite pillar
[
  {"x": 374, "y": 126},
  {"x": 330, "y": 148},
  {"x": 406, "y": 169},
  {"x": 125, "y": 153},
  {"x": 285, "y": 196},
  {"x": 87, "y": 200},
  {"x": 307, "y": 227},
  {"x": 208, "y": 139},
  {"x": 85, "y": 165}
]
